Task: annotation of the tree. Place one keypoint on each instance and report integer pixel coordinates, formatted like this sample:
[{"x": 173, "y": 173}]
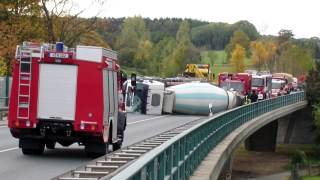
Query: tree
[
  {"x": 19, "y": 21},
  {"x": 285, "y": 35},
  {"x": 313, "y": 84},
  {"x": 240, "y": 38},
  {"x": 295, "y": 60},
  {"x": 92, "y": 38},
  {"x": 271, "y": 48},
  {"x": 183, "y": 53},
  {"x": 248, "y": 28},
  {"x": 313, "y": 95},
  {"x": 133, "y": 43},
  {"x": 259, "y": 54},
  {"x": 143, "y": 55},
  {"x": 63, "y": 24},
  {"x": 237, "y": 58},
  {"x": 212, "y": 36},
  {"x": 160, "y": 55}
]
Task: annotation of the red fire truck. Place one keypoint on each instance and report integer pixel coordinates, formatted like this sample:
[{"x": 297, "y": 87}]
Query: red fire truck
[
  {"x": 262, "y": 85},
  {"x": 66, "y": 96},
  {"x": 240, "y": 82}
]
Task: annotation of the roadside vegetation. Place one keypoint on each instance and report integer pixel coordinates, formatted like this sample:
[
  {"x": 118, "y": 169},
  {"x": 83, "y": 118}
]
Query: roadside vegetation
[
  {"x": 311, "y": 178},
  {"x": 255, "y": 164},
  {"x": 158, "y": 47}
]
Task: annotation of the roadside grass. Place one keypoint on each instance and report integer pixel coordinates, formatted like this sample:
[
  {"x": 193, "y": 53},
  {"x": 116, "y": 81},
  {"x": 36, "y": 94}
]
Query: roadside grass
[
  {"x": 312, "y": 152},
  {"x": 311, "y": 178},
  {"x": 219, "y": 62}
]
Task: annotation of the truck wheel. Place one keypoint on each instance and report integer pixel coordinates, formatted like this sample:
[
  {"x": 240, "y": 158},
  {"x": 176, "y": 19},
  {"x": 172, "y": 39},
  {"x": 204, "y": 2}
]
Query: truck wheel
[
  {"x": 31, "y": 146},
  {"x": 95, "y": 149},
  {"x": 50, "y": 144},
  {"x": 118, "y": 144}
]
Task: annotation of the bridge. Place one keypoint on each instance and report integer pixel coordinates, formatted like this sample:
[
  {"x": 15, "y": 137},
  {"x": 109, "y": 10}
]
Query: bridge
[{"x": 200, "y": 149}]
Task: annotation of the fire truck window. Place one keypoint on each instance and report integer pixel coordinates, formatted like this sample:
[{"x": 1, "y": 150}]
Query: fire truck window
[
  {"x": 25, "y": 67},
  {"x": 155, "y": 100},
  {"x": 257, "y": 82}
]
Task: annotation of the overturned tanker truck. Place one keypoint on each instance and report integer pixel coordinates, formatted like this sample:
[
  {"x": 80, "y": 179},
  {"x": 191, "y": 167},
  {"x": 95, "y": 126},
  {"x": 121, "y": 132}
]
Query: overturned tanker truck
[{"x": 190, "y": 98}]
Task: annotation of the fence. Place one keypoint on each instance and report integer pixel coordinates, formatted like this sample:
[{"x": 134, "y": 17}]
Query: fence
[
  {"x": 178, "y": 157},
  {"x": 5, "y": 87}
]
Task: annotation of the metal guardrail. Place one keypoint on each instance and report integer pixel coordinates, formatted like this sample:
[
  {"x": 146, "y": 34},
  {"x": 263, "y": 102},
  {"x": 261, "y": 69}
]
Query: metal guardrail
[
  {"x": 109, "y": 165},
  {"x": 178, "y": 157},
  {"x": 3, "y": 110}
]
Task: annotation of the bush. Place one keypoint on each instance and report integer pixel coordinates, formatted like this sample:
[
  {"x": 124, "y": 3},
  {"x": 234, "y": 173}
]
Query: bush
[{"x": 299, "y": 157}]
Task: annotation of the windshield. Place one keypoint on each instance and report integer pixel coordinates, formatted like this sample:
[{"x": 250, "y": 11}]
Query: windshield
[
  {"x": 276, "y": 85},
  {"x": 237, "y": 86},
  {"x": 257, "y": 82}
]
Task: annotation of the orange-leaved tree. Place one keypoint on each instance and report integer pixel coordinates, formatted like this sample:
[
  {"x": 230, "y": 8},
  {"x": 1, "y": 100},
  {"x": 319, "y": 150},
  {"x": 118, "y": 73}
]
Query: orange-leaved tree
[
  {"x": 259, "y": 54},
  {"x": 237, "y": 58}
]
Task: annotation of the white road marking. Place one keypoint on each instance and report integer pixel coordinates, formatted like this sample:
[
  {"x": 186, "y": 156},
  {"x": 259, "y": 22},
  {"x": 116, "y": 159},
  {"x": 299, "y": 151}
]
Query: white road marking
[
  {"x": 146, "y": 120},
  {"x": 10, "y": 149}
]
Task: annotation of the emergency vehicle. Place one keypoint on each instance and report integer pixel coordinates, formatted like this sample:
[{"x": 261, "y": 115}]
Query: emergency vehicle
[
  {"x": 66, "y": 96},
  {"x": 240, "y": 82},
  {"x": 278, "y": 87},
  {"x": 288, "y": 78},
  {"x": 262, "y": 85}
]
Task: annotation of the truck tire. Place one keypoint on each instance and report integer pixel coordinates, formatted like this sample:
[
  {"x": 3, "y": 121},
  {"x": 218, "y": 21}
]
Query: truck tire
[
  {"x": 50, "y": 144},
  {"x": 122, "y": 123},
  {"x": 95, "y": 149},
  {"x": 31, "y": 146},
  {"x": 118, "y": 144}
]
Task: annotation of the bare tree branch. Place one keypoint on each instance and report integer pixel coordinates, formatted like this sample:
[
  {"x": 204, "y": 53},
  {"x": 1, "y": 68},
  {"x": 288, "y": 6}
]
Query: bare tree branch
[{"x": 49, "y": 23}]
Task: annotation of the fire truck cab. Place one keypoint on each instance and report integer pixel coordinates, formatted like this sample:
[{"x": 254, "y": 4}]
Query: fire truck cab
[
  {"x": 66, "y": 96},
  {"x": 262, "y": 85},
  {"x": 240, "y": 82}
]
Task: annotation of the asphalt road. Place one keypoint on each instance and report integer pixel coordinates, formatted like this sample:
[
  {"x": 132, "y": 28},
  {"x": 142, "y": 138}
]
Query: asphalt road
[{"x": 14, "y": 165}]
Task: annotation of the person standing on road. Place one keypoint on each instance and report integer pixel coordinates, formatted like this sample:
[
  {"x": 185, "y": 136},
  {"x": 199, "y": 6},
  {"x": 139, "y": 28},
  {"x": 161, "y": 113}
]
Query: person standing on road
[{"x": 254, "y": 96}]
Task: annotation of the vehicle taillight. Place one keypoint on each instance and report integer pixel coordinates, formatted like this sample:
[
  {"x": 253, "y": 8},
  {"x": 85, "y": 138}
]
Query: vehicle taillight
[
  {"x": 28, "y": 123},
  {"x": 17, "y": 123},
  {"x": 82, "y": 126},
  {"x": 93, "y": 127}
]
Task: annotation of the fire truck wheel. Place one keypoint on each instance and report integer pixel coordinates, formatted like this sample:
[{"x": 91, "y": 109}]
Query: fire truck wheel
[
  {"x": 50, "y": 144},
  {"x": 31, "y": 146},
  {"x": 118, "y": 144}
]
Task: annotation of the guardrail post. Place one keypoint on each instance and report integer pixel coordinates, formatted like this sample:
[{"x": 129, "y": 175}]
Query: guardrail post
[{"x": 162, "y": 165}]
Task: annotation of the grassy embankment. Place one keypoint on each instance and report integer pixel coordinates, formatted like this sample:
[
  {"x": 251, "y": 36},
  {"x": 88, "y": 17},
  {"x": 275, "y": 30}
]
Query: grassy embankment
[
  {"x": 219, "y": 63},
  {"x": 265, "y": 163},
  {"x": 217, "y": 60}
]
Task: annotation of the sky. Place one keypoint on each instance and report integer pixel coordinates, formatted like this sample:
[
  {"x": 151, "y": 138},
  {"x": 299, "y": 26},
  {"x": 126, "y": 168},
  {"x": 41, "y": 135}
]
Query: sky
[{"x": 269, "y": 16}]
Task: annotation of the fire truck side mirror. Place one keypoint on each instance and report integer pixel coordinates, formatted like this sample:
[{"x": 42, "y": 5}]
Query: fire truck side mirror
[{"x": 133, "y": 79}]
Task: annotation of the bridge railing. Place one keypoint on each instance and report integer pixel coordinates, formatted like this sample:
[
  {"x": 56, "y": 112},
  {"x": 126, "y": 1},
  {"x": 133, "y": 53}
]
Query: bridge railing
[{"x": 178, "y": 157}]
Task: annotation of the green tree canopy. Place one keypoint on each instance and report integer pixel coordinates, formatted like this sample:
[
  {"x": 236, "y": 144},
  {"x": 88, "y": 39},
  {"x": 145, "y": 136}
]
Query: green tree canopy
[{"x": 240, "y": 38}]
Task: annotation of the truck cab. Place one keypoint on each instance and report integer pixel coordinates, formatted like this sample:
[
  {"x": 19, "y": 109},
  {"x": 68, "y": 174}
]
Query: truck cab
[
  {"x": 262, "y": 85},
  {"x": 278, "y": 87},
  {"x": 240, "y": 82}
]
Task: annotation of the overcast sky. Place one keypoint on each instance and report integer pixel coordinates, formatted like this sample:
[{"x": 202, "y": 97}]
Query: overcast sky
[{"x": 269, "y": 16}]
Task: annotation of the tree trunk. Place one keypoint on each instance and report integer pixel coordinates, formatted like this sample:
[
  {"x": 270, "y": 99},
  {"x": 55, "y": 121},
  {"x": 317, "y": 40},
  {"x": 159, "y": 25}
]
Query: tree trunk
[{"x": 49, "y": 23}]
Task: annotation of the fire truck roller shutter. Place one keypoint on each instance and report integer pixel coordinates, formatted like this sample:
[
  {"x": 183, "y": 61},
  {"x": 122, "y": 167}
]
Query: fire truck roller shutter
[{"x": 57, "y": 91}]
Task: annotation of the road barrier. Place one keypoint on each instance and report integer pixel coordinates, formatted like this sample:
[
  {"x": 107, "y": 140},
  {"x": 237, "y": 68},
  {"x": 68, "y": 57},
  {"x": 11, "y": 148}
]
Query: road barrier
[
  {"x": 178, "y": 157},
  {"x": 3, "y": 112},
  {"x": 5, "y": 86}
]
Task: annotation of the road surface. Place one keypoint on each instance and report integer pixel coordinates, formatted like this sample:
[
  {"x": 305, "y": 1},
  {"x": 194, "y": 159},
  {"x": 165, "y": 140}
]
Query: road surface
[{"x": 14, "y": 165}]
